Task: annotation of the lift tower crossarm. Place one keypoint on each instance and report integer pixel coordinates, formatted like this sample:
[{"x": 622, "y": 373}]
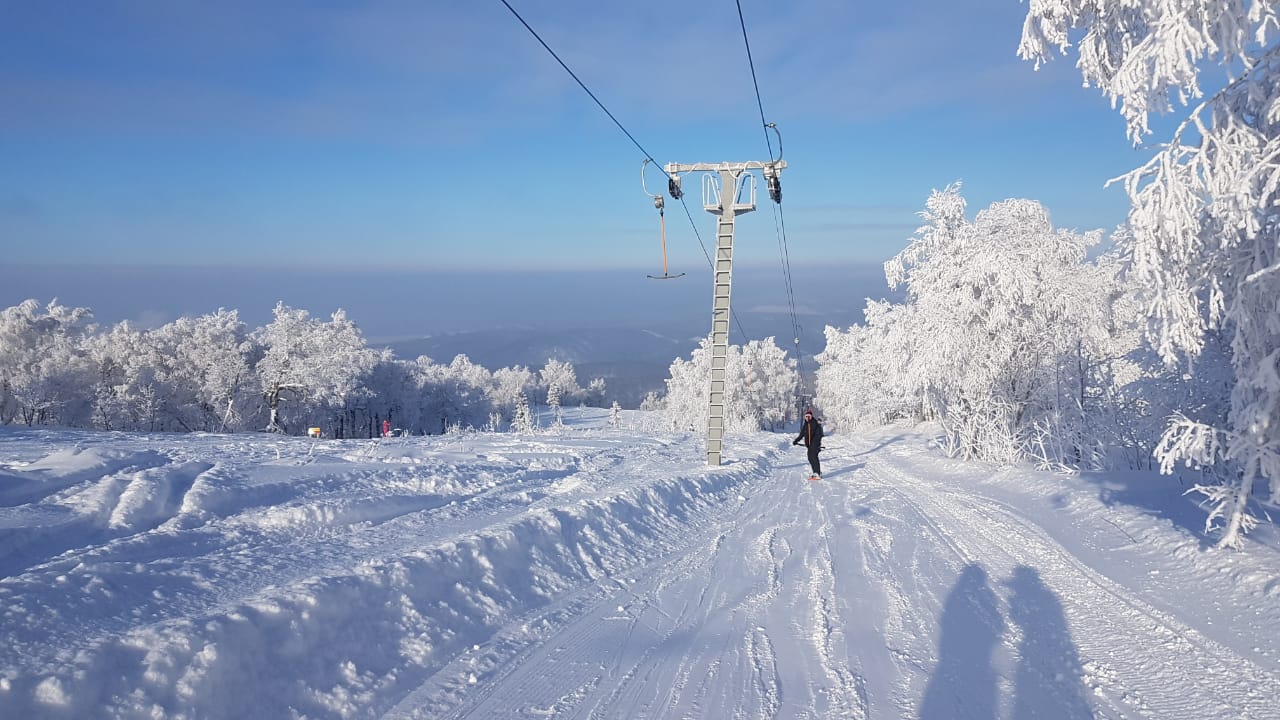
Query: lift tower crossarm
[
  {"x": 736, "y": 168},
  {"x": 727, "y": 205}
]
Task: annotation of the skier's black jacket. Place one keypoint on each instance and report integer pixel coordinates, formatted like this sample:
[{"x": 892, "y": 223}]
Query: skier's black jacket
[{"x": 810, "y": 433}]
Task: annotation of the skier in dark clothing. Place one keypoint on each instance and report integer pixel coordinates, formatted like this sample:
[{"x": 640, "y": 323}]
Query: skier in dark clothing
[{"x": 811, "y": 434}]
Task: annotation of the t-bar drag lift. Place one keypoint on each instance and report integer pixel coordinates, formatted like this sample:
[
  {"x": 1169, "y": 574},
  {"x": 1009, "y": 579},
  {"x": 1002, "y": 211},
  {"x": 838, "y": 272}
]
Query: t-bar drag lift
[{"x": 662, "y": 222}]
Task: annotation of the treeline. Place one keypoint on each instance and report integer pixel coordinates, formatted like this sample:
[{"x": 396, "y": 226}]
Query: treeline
[{"x": 213, "y": 374}]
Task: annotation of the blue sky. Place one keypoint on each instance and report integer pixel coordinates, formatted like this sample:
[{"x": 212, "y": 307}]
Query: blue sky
[{"x": 438, "y": 134}]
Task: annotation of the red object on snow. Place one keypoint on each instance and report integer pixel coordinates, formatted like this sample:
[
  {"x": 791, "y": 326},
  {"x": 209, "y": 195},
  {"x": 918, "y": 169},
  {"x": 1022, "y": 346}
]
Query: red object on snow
[{"x": 386, "y": 428}]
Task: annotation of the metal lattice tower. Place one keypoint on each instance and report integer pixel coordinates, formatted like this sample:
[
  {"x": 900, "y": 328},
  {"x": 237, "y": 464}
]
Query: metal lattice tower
[{"x": 722, "y": 195}]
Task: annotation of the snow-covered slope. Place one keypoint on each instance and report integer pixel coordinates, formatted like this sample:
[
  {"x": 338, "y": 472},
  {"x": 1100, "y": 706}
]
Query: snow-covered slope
[{"x": 607, "y": 573}]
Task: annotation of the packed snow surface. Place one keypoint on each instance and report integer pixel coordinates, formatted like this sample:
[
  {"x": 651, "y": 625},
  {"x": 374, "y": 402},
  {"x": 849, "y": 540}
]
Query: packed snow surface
[{"x": 609, "y": 573}]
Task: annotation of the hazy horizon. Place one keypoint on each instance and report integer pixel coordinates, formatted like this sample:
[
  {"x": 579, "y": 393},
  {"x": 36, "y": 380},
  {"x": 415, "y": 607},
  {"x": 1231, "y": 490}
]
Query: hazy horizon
[{"x": 392, "y": 305}]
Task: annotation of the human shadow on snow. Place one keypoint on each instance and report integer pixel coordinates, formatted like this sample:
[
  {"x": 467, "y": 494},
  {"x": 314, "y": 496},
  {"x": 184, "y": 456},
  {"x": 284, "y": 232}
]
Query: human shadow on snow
[
  {"x": 1048, "y": 678},
  {"x": 963, "y": 684}
]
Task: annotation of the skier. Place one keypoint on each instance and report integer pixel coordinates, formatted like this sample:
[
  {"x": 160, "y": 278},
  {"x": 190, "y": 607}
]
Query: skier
[{"x": 811, "y": 433}]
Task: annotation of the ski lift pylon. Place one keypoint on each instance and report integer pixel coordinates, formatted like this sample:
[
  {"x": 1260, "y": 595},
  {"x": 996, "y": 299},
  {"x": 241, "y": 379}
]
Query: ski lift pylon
[{"x": 662, "y": 223}]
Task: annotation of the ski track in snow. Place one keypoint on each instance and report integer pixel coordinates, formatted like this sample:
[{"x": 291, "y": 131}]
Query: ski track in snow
[{"x": 593, "y": 574}]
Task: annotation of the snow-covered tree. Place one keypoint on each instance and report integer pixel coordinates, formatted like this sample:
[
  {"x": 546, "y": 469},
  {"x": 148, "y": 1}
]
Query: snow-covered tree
[
  {"x": 1001, "y": 307},
  {"x": 43, "y": 368},
  {"x": 111, "y": 355},
  {"x": 559, "y": 379},
  {"x": 394, "y": 392},
  {"x": 470, "y": 373},
  {"x": 561, "y": 383},
  {"x": 132, "y": 389},
  {"x": 766, "y": 386},
  {"x": 508, "y": 385},
  {"x": 1005, "y": 336},
  {"x": 760, "y": 383},
  {"x": 522, "y": 419},
  {"x": 554, "y": 395},
  {"x": 207, "y": 364},
  {"x": 684, "y": 407},
  {"x": 1205, "y": 226},
  {"x": 453, "y": 395},
  {"x": 593, "y": 393},
  {"x": 187, "y": 375},
  {"x": 615, "y": 415},
  {"x": 862, "y": 379},
  {"x": 316, "y": 363}
]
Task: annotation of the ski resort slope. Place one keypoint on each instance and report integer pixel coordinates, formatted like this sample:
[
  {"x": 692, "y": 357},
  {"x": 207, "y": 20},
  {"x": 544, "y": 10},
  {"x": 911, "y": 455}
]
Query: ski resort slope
[{"x": 599, "y": 573}]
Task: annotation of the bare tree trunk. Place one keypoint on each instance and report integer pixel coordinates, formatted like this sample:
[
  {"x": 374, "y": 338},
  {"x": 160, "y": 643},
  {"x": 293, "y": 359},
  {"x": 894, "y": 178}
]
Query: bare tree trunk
[
  {"x": 273, "y": 401},
  {"x": 226, "y": 416},
  {"x": 1232, "y": 535}
]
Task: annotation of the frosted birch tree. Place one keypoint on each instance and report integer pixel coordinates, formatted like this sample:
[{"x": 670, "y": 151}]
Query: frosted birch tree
[
  {"x": 767, "y": 384},
  {"x": 593, "y": 393},
  {"x": 207, "y": 361},
  {"x": 110, "y": 355},
  {"x": 395, "y": 392},
  {"x": 559, "y": 379},
  {"x": 317, "y": 363},
  {"x": 43, "y": 369},
  {"x": 1001, "y": 310},
  {"x": 508, "y": 386},
  {"x": 561, "y": 382},
  {"x": 457, "y": 395},
  {"x": 131, "y": 391},
  {"x": 1206, "y": 231},
  {"x": 760, "y": 384},
  {"x": 1006, "y": 337},
  {"x": 862, "y": 377}
]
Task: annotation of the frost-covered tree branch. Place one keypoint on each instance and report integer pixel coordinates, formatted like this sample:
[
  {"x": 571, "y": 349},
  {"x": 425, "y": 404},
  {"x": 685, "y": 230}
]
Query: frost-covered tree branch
[{"x": 1205, "y": 231}]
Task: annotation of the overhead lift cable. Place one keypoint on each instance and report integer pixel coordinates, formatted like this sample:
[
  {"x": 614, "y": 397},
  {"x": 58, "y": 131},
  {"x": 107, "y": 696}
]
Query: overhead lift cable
[
  {"x": 751, "y": 63},
  {"x": 579, "y": 81},
  {"x": 630, "y": 137},
  {"x": 780, "y": 222}
]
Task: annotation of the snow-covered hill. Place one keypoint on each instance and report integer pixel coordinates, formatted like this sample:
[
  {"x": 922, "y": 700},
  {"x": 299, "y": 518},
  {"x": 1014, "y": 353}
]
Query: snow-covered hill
[{"x": 608, "y": 573}]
